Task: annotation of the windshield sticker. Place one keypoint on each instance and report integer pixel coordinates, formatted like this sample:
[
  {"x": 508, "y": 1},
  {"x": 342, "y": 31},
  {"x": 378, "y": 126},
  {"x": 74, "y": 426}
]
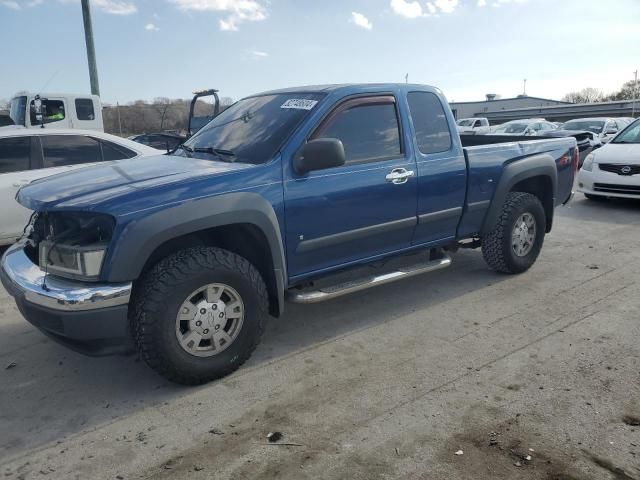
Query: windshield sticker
[{"x": 299, "y": 103}]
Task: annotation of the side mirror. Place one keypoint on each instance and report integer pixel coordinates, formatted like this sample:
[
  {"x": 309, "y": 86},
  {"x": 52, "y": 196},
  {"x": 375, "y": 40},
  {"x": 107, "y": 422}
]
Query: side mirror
[{"x": 319, "y": 154}]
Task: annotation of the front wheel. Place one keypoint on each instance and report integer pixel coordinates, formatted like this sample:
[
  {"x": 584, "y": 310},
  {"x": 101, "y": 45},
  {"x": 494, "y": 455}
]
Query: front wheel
[
  {"x": 516, "y": 240},
  {"x": 199, "y": 314}
]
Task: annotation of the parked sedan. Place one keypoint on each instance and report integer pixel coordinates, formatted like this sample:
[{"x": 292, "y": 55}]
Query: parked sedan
[
  {"x": 29, "y": 154},
  {"x": 614, "y": 169},
  {"x": 525, "y": 127}
]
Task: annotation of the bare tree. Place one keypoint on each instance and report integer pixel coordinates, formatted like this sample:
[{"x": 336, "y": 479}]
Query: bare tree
[
  {"x": 162, "y": 104},
  {"x": 626, "y": 92},
  {"x": 163, "y": 114},
  {"x": 586, "y": 95}
]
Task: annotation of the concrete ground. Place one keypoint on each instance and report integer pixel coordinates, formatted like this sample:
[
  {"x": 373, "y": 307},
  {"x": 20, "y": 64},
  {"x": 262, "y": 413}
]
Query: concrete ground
[{"x": 535, "y": 376}]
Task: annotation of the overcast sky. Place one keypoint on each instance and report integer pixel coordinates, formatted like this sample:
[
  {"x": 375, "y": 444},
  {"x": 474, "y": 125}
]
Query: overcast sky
[{"x": 168, "y": 48}]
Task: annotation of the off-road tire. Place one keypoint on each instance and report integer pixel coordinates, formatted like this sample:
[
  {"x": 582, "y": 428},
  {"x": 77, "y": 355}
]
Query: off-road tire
[
  {"x": 159, "y": 294},
  {"x": 496, "y": 245}
]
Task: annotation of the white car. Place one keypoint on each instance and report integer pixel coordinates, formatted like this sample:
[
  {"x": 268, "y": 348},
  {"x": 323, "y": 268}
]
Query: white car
[
  {"x": 525, "y": 127},
  {"x": 29, "y": 154},
  {"x": 473, "y": 126},
  {"x": 614, "y": 169}
]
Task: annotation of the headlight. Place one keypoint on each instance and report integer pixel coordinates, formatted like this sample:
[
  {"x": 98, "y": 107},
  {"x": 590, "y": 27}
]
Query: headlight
[
  {"x": 73, "y": 245},
  {"x": 587, "y": 166},
  {"x": 73, "y": 261}
]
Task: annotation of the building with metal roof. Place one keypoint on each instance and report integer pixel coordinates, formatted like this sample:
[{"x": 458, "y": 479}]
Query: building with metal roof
[
  {"x": 503, "y": 110},
  {"x": 494, "y": 104}
]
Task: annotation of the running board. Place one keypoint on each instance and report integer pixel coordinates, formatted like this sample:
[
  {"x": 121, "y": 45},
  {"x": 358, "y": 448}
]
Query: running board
[{"x": 340, "y": 289}]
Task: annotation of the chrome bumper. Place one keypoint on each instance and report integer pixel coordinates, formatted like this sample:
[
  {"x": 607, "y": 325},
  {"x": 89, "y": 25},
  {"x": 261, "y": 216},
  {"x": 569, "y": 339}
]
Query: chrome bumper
[{"x": 22, "y": 277}]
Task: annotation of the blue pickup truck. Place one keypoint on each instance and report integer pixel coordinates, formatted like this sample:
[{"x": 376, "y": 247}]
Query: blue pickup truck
[{"x": 286, "y": 195}]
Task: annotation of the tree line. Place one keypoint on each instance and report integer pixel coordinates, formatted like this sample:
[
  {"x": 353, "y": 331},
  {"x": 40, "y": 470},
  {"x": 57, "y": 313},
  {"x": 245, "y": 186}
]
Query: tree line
[
  {"x": 595, "y": 95},
  {"x": 162, "y": 114}
]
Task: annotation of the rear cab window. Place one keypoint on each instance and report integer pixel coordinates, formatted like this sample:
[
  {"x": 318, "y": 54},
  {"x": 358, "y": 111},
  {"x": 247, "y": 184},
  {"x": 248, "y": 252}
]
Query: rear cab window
[
  {"x": 368, "y": 128},
  {"x": 429, "y": 122},
  {"x": 84, "y": 109},
  {"x": 14, "y": 154}
]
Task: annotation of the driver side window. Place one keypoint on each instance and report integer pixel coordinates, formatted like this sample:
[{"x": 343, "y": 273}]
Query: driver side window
[
  {"x": 52, "y": 111},
  {"x": 367, "y": 127}
]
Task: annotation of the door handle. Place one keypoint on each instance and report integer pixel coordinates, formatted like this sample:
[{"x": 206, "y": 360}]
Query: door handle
[
  {"x": 398, "y": 176},
  {"x": 21, "y": 183}
]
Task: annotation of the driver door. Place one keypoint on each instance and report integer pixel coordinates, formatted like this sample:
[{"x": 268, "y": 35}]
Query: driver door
[{"x": 365, "y": 208}]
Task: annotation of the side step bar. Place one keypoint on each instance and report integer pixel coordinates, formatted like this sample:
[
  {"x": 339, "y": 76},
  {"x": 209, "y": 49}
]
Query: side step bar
[{"x": 338, "y": 290}]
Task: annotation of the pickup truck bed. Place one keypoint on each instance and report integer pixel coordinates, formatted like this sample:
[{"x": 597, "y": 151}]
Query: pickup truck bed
[{"x": 489, "y": 157}]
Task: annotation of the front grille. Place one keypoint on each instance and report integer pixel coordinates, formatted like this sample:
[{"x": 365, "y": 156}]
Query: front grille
[
  {"x": 619, "y": 167},
  {"x": 613, "y": 188}
]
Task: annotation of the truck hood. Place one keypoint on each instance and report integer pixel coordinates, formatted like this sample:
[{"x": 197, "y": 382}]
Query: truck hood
[{"x": 91, "y": 185}]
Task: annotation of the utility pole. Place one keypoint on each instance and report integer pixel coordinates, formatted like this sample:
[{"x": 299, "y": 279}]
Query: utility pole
[
  {"x": 524, "y": 90},
  {"x": 91, "y": 51},
  {"x": 635, "y": 93},
  {"x": 119, "y": 121}
]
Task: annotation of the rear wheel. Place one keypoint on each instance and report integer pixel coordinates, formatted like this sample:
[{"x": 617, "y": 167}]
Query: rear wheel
[
  {"x": 516, "y": 240},
  {"x": 199, "y": 314}
]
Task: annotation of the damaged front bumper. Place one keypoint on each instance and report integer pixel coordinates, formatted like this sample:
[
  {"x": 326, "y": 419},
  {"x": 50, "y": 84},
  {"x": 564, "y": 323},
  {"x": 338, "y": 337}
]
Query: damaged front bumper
[{"x": 87, "y": 317}]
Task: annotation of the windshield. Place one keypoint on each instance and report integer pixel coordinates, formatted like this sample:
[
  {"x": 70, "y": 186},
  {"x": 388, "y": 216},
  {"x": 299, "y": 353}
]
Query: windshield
[
  {"x": 18, "y": 110},
  {"x": 465, "y": 123},
  {"x": 630, "y": 135},
  {"x": 512, "y": 128},
  {"x": 253, "y": 129},
  {"x": 594, "y": 126}
]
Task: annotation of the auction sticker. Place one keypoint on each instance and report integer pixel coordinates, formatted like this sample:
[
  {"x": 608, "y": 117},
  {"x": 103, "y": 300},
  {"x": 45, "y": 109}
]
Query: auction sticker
[{"x": 299, "y": 103}]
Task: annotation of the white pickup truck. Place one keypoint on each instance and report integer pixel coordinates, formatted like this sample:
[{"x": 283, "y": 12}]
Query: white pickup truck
[
  {"x": 473, "y": 126},
  {"x": 57, "y": 110}
]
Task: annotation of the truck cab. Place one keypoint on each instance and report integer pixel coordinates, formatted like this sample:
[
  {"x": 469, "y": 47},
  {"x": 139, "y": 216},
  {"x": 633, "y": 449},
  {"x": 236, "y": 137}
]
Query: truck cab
[
  {"x": 473, "y": 126},
  {"x": 57, "y": 110}
]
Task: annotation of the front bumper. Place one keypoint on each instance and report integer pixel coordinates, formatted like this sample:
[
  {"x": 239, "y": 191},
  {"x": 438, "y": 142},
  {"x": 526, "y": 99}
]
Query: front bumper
[
  {"x": 608, "y": 184},
  {"x": 88, "y": 317}
]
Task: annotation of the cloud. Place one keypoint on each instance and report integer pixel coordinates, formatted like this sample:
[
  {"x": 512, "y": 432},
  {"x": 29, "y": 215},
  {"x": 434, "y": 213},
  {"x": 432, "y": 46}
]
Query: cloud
[
  {"x": 258, "y": 53},
  {"x": 498, "y": 3},
  {"x": 19, "y": 4},
  {"x": 116, "y": 7},
  {"x": 151, "y": 27},
  {"x": 442, "y": 6},
  {"x": 238, "y": 10},
  {"x": 408, "y": 9},
  {"x": 113, "y": 7},
  {"x": 482, "y": 3},
  {"x": 361, "y": 21},
  {"x": 13, "y": 5}
]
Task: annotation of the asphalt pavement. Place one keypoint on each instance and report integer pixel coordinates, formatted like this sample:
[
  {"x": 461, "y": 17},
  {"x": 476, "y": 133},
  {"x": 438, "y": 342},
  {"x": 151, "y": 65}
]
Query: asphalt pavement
[{"x": 458, "y": 374}]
